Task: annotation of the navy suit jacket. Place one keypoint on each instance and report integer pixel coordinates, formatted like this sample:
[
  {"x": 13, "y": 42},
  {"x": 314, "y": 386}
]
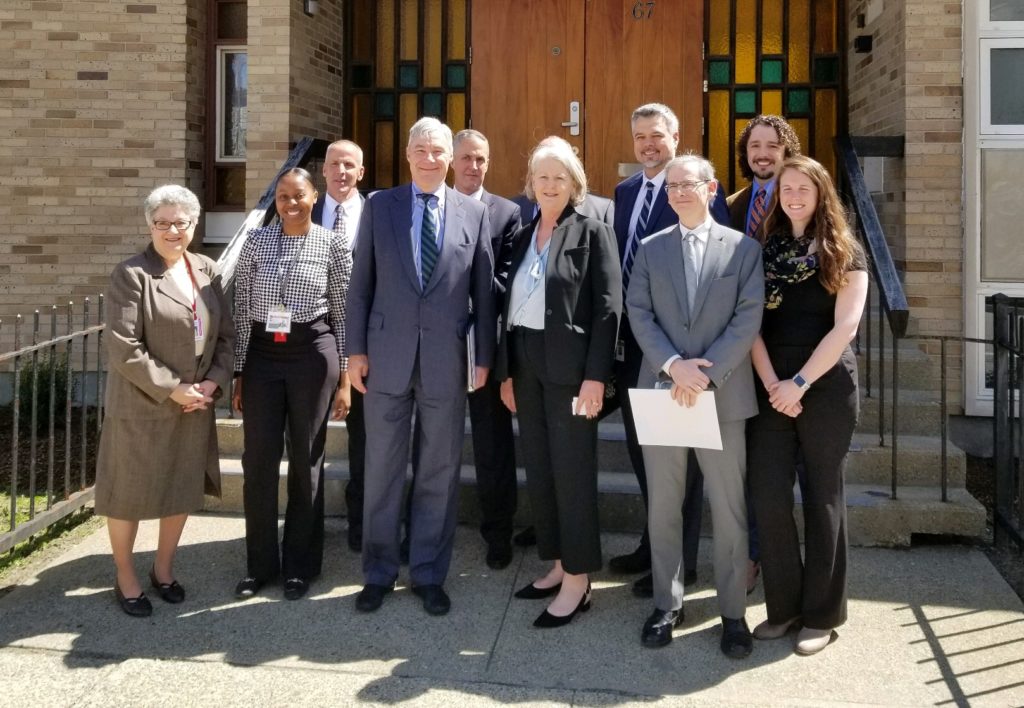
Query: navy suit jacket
[
  {"x": 400, "y": 325},
  {"x": 504, "y": 219}
]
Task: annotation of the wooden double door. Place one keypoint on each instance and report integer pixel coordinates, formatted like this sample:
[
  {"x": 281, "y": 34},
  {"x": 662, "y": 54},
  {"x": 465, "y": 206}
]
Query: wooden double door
[{"x": 577, "y": 69}]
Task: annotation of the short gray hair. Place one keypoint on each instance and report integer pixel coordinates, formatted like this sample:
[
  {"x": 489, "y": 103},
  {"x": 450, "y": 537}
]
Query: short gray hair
[
  {"x": 657, "y": 110},
  {"x": 560, "y": 150},
  {"x": 469, "y": 133},
  {"x": 427, "y": 127},
  {"x": 172, "y": 195},
  {"x": 705, "y": 170}
]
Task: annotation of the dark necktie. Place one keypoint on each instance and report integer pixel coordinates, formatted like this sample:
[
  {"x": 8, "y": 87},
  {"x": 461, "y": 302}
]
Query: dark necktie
[
  {"x": 638, "y": 233},
  {"x": 757, "y": 213},
  {"x": 339, "y": 221},
  {"x": 428, "y": 240}
]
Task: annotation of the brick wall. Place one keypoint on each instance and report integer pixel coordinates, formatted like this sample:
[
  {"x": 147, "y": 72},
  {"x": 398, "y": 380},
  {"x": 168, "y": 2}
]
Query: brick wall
[{"x": 93, "y": 106}]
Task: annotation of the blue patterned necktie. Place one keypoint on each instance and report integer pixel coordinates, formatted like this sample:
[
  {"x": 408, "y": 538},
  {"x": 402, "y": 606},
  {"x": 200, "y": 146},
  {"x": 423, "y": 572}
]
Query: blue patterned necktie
[
  {"x": 638, "y": 233},
  {"x": 428, "y": 239}
]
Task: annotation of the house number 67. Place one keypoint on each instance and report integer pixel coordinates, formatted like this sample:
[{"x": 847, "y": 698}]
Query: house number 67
[{"x": 643, "y": 9}]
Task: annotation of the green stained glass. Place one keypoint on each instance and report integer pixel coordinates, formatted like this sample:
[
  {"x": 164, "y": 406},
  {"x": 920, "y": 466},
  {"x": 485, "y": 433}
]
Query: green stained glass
[
  {"x": 771, "y": 71},
  {"x": 408, "y": 76},
  {"x": 362, "y": 77},
  {"x": 456, "y": 76},
  {"x": 746, "y": 102},
  {"x": 384, "y": 105},
  {"x": 798, "y": 102},
  {"x": 718, "y": 72},
  {"x": 826, "y": 70},
  {"x": 432, "y": 104}
]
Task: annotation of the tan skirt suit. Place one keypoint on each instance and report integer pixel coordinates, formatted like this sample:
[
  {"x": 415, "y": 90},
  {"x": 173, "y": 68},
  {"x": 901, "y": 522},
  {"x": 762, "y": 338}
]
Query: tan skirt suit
[{"x": 154, "y": 460}]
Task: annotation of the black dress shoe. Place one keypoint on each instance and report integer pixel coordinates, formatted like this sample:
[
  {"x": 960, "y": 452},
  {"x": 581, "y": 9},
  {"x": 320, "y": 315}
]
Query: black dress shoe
[
  {"x": 435, "y": 599},
  {"x": 295, "y": 588},
  {"x": 371, "y": 597},
  {"x": 170, "y": 592},
  {"x": 736, "y": 640},
  {"x": 499, "y": 555},
  {"x": 403, "y": 551},
  {"x": 532, "y": 592},
  {"x": 644, "y": 587},
  {"x": 639, "y": 561},
  {"x": 690, "y": 578},
  {"x": 657, "y": 631},
  {"x": 134, "y": 606},
  {"x": 355, "y": 540},
  {"x": 247, "y": 587},
  {"x": 526, "y": 538},
  {"x": 546, "y": 620}
]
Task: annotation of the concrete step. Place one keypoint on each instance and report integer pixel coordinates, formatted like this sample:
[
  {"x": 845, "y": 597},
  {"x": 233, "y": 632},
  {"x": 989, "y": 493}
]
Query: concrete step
[
  {"x": 874, "y": 518},
  {"x": 918, "y": 413},
  {"x": 918, "y": 371}
]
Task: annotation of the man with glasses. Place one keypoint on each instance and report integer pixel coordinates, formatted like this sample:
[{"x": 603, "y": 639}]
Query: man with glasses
[{"x": 695, "y": 301}]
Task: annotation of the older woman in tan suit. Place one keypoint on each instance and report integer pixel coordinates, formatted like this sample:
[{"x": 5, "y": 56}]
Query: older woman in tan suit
[{"x": 170, "y": 354}]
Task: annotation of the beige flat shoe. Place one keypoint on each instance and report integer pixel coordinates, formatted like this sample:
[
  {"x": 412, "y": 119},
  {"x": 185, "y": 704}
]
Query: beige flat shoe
[
  {"x": 766, "y": 630},
  {"x": 811, "y": 641}
]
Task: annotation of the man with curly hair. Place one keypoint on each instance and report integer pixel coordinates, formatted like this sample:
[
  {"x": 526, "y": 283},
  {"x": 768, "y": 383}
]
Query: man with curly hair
[{"x": 765, "y": 142}]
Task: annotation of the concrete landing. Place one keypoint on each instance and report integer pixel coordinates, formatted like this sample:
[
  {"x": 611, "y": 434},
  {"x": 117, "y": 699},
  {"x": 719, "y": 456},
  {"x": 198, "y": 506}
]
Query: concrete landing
[{"x": 928, "y": 626}]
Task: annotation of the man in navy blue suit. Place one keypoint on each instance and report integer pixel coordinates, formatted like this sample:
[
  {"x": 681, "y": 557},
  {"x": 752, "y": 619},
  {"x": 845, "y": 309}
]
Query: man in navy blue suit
[{"x": 641, "y": 209}]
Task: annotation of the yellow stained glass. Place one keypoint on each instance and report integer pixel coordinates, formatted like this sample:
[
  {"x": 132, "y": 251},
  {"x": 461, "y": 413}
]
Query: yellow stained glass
[
  {"x": 771, "y": 102},
  {"x": 719, "y": 140},
  {"x": 432, "y": 43},
  {"x": 746, "y": 41},
  {"x": 362, "y": 33},
  {"x": 456, "y": 29},
  {"x": 771, "y": 26},
  {"x": 825, "y": 127},
  {"x": 385, "y": 50},
  {"x": 456, "y": 118},
  {"x": 410, "y": 29},
  {"x": 799, "y": 41},
  {"x": 408, "y": 113},
  {"x": 384, "y": 155},
  {"x": 719, "y": 28},
  {"x": 738, "y": 183},
  {"x": 802, "y": 128},
  {"x": 824, "y": 26},
  {"x": 362, "y": 119}
]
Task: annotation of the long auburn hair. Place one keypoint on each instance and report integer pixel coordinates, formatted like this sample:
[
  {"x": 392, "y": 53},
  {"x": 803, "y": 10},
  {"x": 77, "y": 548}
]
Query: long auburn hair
[{"x": 838, "y": 249}]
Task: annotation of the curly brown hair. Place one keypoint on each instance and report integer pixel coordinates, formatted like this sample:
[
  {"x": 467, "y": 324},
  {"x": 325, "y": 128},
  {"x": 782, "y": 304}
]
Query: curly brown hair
[
  {"x": 784, "y": 130},
  {"x": 838, "y": 249}
]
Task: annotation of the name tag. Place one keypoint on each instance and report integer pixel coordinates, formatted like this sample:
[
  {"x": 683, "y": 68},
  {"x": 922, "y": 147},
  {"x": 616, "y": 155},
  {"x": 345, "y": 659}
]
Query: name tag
[
  {"x": 197, "y": 324},
  {"x": 620, "y": 350},
  {"x": 279, "y": 320}
]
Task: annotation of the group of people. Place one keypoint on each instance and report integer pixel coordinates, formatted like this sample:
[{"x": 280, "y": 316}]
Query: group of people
[{"x": 390, "y": 311}]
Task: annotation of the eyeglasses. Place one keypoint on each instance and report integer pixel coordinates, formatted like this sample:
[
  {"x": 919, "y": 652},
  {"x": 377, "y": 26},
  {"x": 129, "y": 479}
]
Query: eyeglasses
[
  {"x": 682, "y": 187},
  {"x": 166, "y": 225}
]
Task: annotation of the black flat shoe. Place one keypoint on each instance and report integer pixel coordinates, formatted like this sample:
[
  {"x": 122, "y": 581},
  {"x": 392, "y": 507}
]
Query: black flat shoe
[
  {"x": 532, "y": 592},
  {"x": 170, "y": 592},
  {"x": 639, "y": 561},
  {"x": 499, "y": 555},
  {"x": 247, "y": 587},
  {"x": 435, "y": 599},
  {"x": 295, "y": 588},
  {"x": 657, "y": 631},
  {"x": 135, "y": 606},
  {"x": 549, "y": 621},
  {"x": 371, "y": 597},
  {"x": 644, "y": 587},
  {"x": 736, "y": 640}
]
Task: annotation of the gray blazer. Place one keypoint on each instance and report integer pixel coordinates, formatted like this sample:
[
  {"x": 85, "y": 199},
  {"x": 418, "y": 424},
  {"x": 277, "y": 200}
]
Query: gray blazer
[{"x": 726, "y": 317}]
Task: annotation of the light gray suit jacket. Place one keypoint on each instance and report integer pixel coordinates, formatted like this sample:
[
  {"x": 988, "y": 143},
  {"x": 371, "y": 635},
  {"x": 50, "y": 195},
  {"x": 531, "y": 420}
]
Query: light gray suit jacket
[{"x": 726, "y": 316}]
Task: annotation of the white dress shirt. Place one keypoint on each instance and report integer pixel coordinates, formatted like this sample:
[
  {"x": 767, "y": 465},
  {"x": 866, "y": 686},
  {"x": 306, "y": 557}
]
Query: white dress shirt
[
  {"x": 353, "y": 207},
  {"x": 659, "y": 182}
]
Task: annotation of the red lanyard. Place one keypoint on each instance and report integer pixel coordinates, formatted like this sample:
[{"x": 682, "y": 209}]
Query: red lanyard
[{"x": 195, "y": 289}]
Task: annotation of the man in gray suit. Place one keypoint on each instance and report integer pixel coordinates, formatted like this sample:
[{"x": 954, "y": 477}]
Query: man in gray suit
[
  {"x": 695, "y": 300},
  {"x": 424, "y": 259}
]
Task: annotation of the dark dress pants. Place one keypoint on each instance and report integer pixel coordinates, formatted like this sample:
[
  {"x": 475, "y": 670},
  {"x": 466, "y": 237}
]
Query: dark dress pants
[
  {"x": 815, "y": 588},
  {"x": 355, "y": 423},
  {"x": 495, "y": 459},
  {"x": 627, "y": 373},
  {"x": 287, "y": 390},
  {"x": 560, "y": 451}
]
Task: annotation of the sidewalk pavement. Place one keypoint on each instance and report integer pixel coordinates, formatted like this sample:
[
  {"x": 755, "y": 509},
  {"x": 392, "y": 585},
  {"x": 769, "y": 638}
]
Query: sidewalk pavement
[{"x": 928, "y": 626}]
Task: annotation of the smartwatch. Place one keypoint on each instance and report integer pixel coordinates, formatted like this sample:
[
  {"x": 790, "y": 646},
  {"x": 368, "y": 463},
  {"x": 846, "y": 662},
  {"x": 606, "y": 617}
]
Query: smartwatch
[{"x": 801, "y": 382}]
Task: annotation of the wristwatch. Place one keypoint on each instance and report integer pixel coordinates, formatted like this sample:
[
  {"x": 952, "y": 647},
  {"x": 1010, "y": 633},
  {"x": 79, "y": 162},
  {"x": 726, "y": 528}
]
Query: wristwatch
[{"x": 801, "y": 382}]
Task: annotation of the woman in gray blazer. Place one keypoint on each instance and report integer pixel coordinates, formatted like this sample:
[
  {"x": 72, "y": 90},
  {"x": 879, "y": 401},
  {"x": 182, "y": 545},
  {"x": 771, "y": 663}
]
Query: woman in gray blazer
[
  {"x": 170, "y": 354},
  {"x": 556, "y": 353}
]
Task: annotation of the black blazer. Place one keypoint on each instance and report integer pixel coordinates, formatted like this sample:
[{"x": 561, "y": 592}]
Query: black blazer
[
  {"x": 583, "y": 300},
  {"x": 504, "y": 218}
]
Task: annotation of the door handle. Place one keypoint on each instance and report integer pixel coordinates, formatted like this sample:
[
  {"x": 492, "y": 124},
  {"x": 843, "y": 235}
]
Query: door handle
[{"x": 573, "y": 124}]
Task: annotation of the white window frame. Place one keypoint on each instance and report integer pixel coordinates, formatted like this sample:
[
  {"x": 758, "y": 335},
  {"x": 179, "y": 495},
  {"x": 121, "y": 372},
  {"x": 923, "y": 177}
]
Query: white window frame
[
  {"x": 985, "y": 24},
  {"x": 221, "y": 52},
  {"x": 986, "y": 45}
]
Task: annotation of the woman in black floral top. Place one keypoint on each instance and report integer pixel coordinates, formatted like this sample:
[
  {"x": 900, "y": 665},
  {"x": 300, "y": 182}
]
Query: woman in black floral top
[{"x": 816, "y": 285}]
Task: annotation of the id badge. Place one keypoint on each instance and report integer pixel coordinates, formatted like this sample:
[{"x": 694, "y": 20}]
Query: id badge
[
  {"x": 620, "y": 350},
  {"x": 197, "y": 324},
  {"x": 279, "y": 320}
]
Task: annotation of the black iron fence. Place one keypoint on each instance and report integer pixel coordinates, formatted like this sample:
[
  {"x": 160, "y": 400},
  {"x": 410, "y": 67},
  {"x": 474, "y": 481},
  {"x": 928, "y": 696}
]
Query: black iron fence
[
  {"x": 1008, "y": 390},
  {"x": 51, "y": 426}
]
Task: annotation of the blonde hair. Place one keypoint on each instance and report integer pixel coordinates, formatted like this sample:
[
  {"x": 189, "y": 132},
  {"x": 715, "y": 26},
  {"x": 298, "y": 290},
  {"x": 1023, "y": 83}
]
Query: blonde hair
[{"x": 561, "y": 151}]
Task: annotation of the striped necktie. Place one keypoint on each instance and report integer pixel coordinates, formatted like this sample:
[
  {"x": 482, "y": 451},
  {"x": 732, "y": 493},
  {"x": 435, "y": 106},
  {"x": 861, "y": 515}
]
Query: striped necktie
[
  {"x": 638, "y": 233},
  {"x": 428, "y": 240},
  {"x": 757, "y": 213}
]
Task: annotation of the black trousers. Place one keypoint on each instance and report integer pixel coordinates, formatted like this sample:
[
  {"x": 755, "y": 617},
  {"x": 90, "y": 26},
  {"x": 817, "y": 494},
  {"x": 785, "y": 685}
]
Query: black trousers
[
  {"x": 560, "y": 451},
  {"x": 494, "y": 454},
  {"x": 287, "y": 390},
  {"x": 814, "y": 588},
  {"x": 355, "y": 423},
  {"x": 627, "y": 373}
]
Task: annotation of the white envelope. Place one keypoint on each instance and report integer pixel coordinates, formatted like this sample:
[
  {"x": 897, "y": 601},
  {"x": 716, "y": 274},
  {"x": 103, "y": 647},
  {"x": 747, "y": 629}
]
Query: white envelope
[{"x": 662, "y": 421}]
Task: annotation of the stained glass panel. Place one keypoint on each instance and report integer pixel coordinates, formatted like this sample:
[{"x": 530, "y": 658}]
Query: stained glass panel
[
  {"x": 456, "y": 21},
  {"x": 771, "y": 26},
  {"x": 746, "y": 41},
  {"x": 771, "y": 71},
  {"x": 799, "y": 41},
  {"x": 384, "y": 155},
  {"x": 720, "y": 28},
  {"x": 408, "y": 76},
  {"x": 824, "y": 26},
  {"x": 746, "y": 102},
  {"x": 771, "y": 102},
  {"x": 432, "y": 60},
  {"x": 385, "y": 50},
  {"x": 719, "y": 147},
  {"x": 432, "y": 104},
  {"x": 410, "y": 24},
  {"x": 456, "y": 111},
  {"x": 798, "y": 101},
  {"x": 824, "y": 127},
  {"x": 456, "y": 76},
  {"x": 826, "y": 70},
  {"x": 718, "y": 72}
]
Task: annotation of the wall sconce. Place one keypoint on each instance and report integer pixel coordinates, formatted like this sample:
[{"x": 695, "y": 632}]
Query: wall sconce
[{"x": 310, "y": 7}]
